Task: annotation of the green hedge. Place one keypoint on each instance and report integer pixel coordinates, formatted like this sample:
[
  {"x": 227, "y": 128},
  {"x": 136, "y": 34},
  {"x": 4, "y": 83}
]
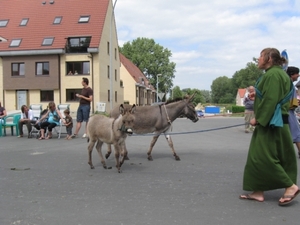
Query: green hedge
[{"x": 238, "y": 109}]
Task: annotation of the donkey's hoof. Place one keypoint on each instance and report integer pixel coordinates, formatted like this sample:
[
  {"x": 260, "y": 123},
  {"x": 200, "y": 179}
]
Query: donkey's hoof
[
  {"x": 91, "y": 165},
  {"x": 150, "y": 158},
  {"x": 126, "y": 158},
  {"x": 107, "y": 155},
  {"x": 105, "y": 167},
  {"x": 109, "y": 168},
  {"x": 177, "y": 158}
]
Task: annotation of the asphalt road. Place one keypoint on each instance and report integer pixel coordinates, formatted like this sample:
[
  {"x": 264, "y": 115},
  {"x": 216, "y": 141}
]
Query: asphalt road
[{"x": 49, "y": 182}]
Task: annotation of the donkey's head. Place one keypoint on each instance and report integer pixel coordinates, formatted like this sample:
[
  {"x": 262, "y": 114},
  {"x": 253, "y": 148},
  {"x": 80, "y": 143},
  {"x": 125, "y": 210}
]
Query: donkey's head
[
  {"x": 127, "y": 119},
  {"x": 189, "y": 109}
]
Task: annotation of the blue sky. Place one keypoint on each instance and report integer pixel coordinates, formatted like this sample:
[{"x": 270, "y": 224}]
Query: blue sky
[{"x": 210, "y": 39}]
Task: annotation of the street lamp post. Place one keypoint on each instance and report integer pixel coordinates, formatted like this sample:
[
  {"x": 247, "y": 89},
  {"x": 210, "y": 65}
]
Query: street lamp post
[
  {"x": 110, "y": 56},
  {"x": 157, "y": 86}
]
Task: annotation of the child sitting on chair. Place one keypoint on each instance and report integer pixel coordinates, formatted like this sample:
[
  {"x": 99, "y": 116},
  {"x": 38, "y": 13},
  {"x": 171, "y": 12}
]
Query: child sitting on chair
[{"x": 69, "y": 124}]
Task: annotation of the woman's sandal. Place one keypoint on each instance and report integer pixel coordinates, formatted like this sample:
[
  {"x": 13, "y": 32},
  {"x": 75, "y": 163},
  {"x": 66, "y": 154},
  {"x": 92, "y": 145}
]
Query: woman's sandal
[
  {"x": 41, "y": 138},
  {"x": 48, "y": 137}
]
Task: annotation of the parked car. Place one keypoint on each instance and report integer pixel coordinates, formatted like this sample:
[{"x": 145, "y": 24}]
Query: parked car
[{"x": 200, "y": 113}]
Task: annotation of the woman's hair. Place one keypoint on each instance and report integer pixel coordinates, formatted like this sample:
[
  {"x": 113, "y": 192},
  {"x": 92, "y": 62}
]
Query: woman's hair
[
  {"x": 274, "y": 55},
  {"x": 51, "y": 105},
  {"x": 23, "y": 108}
]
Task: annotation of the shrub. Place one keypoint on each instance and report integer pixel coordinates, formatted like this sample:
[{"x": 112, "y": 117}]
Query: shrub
[{"x": 238, "y": 109}]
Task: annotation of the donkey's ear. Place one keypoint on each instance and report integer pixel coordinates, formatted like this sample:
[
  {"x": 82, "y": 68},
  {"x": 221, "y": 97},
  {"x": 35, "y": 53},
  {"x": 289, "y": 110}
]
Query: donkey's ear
[
  {"x": 133, "y": 108},
  {"x": 121, "y": 109},
  {"x": 192, "y": 96}
]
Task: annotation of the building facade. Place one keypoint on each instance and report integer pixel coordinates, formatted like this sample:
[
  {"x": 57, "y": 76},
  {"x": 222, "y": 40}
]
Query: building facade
[
  {"x": 47, "y": 47},
  {"x": 138, "y": 89}
]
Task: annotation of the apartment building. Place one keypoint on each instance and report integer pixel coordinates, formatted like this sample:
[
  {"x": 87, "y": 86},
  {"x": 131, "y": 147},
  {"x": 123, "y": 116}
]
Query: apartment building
[{"x": 48, "y": 46}]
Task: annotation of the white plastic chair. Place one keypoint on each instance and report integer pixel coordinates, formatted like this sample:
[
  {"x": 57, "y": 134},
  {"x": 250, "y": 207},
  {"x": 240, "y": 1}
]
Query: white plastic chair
[
  {"x": 36, "y": 110},
  {"x": 59, "y": 129}
]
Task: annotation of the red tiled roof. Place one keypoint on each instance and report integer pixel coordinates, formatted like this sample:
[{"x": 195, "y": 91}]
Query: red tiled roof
[
  {"x": 41, "y": 17},
  {"x": 242, "y": 92},
  {"x": 133, "y": 70}
]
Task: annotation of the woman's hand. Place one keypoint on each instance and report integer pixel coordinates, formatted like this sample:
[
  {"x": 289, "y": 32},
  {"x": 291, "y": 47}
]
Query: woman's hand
[{"x": 253, "y": 122}]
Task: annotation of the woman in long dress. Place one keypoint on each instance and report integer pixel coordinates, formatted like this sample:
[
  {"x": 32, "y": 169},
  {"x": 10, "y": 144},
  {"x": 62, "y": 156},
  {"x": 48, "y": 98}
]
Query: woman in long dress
[{"x": 271, "y": 162}]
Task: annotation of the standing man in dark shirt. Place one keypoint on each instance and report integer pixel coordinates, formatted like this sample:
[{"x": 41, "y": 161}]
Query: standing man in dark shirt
[{"x": 83, "y": 111}]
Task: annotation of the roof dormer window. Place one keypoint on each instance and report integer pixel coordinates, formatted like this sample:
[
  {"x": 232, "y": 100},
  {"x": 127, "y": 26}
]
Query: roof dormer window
[
  {"x": 84, "y": 19},
  {"x": 57, "y": 20},
  {"x": 15, "y": 43},
  {"x": 77, "y": 44},
  {"x": 48, "y": 41},
  {"x": 3, "y": 23},
  {"x": 24, "y": 22}
]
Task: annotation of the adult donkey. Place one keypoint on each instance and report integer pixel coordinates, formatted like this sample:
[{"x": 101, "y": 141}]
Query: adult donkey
[{"x": 158, "y": 119}]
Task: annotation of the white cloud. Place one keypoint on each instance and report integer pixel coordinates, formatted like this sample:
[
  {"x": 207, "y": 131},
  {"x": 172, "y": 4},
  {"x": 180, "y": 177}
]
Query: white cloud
[{"x": 209, "y": 39}]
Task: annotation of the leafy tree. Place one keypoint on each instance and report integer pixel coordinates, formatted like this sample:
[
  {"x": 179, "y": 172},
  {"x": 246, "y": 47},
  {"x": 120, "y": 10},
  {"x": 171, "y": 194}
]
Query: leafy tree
[
  {"x": 206, "y": 96},
  {"x": 220, "y": 90},
  {"x": 224, "y": 89},
  {"x": 227, "y": 98},
  {"x": 152, "y": 59},
  {"x": 177, "y": 93},
  {"x": 245, "y": 77},
  {"x": 198, "y": 98}
]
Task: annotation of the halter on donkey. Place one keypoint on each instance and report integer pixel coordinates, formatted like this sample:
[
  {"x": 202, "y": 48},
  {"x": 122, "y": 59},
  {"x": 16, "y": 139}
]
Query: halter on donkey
[{"x": 158, "y": 119}]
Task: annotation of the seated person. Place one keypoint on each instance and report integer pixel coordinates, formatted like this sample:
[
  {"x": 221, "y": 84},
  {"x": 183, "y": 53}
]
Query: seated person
[
  {"x": 2, "y": 113},
  {"x": 26, "y": 118},
  {"x": 54, "y": 116},
  {"x": 38, "y": 125}
]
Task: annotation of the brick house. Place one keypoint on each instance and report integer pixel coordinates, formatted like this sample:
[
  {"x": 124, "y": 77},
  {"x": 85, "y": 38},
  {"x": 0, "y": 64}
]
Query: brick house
[{"x": 240, "y": 96}]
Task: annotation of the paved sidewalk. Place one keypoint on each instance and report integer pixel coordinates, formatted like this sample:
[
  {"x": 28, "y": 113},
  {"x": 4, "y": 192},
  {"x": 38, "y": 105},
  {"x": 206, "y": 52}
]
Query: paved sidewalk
[{"x": 49, "y": 182}]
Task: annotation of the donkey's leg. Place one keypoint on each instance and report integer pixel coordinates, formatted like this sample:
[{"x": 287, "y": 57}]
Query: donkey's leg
[
  {"x": 117, "y": 156},
  {"x": 108, "y": 151},
  {"x": 90, "y": 150},
  {"x": 123, "y": 153},
  {"x": 169, "y": 140},
  {"x": 154, "y": 139},
  {"x": 98, "y": 147}
]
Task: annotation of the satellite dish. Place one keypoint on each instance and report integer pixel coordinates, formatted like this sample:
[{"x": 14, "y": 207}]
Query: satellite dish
[{"x": 285, "y": 55}]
